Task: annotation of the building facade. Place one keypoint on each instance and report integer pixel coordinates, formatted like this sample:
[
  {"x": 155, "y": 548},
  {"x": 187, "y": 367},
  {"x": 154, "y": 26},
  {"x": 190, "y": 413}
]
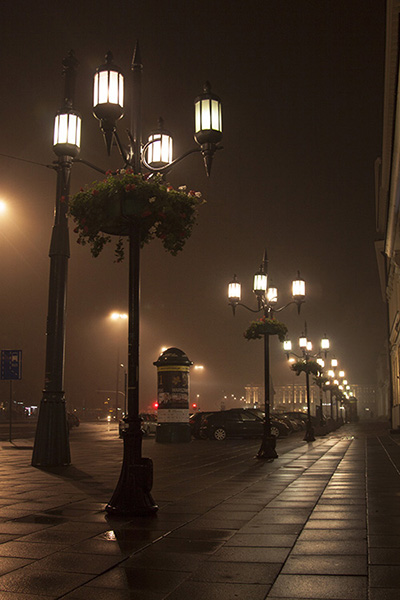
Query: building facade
[{"x": 387, "y": 244}]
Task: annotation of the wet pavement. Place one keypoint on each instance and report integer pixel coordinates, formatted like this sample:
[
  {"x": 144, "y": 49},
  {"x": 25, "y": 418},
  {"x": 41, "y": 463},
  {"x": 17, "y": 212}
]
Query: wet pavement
[{"x": 320, "y": 522}]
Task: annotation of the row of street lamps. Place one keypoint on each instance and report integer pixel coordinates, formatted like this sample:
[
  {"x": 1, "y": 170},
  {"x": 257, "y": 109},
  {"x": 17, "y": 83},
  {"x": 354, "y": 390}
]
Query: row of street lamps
[{"x": 309, "y": 361}]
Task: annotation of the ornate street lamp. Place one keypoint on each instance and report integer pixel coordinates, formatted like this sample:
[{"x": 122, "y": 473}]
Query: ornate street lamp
[
  {"x": 267, "y": 297},
  {"x": 132, "y": 495}
]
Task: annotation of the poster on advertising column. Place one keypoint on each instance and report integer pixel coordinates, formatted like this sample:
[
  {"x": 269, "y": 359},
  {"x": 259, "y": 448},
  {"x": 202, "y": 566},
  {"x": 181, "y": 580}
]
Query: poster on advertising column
[{"x": 173, "y": 394}]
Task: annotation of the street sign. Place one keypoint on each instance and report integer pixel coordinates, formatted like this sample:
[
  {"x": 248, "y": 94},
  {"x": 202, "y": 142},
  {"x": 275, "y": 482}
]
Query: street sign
[{"x": 11, "y": 364}]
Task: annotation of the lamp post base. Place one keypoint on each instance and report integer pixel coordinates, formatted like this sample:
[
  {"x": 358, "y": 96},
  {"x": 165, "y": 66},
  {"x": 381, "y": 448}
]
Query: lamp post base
[
  {"x": 309, "y": 435},
  {"x": 51, "y": 448},
  {"x": 267, "y": 448},
  {"x": 132, "y": 495}
]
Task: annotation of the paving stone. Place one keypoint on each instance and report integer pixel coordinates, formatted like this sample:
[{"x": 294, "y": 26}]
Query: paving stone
[
  {"x": 321, "y": 587},
  {"x": 33, "y": 581},
  {"x": 138, "y": 579},
  {"x": 226, "y": 572},
  {"x": 346, "y": 548},
  {"x": 219, "y": 591},
  {"x": 325, "y": 565},
  {"x": 384, "y": 576}
]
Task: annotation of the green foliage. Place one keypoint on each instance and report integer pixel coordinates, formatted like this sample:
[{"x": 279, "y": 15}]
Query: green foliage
[
  {"x": 310, "y": 367},
  {"x": 265, "y": 326},
  {"x": 108, "y": 207}
]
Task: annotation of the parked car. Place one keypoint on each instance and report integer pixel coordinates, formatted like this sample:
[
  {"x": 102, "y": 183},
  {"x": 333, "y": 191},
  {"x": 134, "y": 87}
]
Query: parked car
[
  {"x": 72, "y": 421},
  {"x": 303, "y": 416},
  {"x": 149, "y": 424},
  {"x": 293, "y": 424},
  {"x": 279, "y": 427},
  {"x": 195, "y": 421},
  {"x": 237, "y": 422}
]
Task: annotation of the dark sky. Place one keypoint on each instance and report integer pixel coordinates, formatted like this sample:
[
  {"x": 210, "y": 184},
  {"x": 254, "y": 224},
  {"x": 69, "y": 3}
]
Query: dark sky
[{"x": 302, "y": 89}]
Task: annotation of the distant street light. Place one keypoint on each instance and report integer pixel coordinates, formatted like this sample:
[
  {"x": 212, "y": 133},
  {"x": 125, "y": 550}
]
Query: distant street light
[
  {"x": 132, "y": 494},
  {"x": 305, "y": 365},
  {"x": 336, "y": 385},
  {"x": 115, "y": 316},
  {"x": 267, "y": 298}
]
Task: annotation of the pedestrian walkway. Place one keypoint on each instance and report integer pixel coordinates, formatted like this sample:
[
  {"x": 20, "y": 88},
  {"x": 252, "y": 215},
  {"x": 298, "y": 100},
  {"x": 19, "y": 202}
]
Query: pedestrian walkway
[{"x": 320, "y": 522}]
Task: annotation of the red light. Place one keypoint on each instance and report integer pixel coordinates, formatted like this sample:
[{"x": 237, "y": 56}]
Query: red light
[
  {"x": 155, "y": 405},
  {"x": 194, "y": 405}
]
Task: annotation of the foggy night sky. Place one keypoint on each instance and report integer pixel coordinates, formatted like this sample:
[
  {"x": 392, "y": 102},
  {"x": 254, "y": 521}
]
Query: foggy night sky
[{"x": 301, "y": 83}]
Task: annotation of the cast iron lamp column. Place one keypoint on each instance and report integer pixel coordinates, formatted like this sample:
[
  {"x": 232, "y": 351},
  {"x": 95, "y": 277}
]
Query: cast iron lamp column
[
  {"x": 51, "y": 447},
  {"x": 132, "y": 494},
  {"x": 267, "y": 298}
]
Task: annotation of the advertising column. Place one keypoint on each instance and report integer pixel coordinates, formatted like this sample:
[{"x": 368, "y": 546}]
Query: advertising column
[{"x": 173, "y": 396}]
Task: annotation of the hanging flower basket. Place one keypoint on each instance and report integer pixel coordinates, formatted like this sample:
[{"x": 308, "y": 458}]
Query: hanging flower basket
[
  {"x": 109, "y": 207},
  {"x": 310, "y": 367},
  {"x": 265, "y": 326}
]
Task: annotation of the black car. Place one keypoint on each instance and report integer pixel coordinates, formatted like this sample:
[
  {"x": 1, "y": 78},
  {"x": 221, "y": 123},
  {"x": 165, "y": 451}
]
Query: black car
[
  {"x": 195, "y": 421},
  {"x": 279, "y": 427},
  {"x": 236, "y": 422}
]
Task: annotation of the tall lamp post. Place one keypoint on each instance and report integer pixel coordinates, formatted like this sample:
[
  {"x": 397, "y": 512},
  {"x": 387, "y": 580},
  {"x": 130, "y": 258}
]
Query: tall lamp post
[
  {"x": 51, "y": 447},
  {"x": 305, "y": 365},
  {"x": 132, "y": 494},
  {"x": 267, "y": 298}
]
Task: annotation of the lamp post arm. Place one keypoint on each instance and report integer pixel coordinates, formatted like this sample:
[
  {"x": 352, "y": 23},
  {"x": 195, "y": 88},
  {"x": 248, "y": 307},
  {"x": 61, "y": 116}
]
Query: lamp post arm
[
  {"x": 294, "y": 354},
  {"x": 167, "y": 167},
  {"x": 89, "y": 164},
  {"x": 234, "y": 305},
  {"x": 288, "y": 304}
]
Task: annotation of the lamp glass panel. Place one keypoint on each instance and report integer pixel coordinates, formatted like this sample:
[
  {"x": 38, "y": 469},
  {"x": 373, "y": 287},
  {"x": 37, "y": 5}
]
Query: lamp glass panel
[
  {"x": 96, "y": 90},
  {"x": 121, "y": 90},
  {"x": 197, "y": 118},
  {"x": 287, "y": 345},
  {"x": 334, "y": 362},
  {"x": 161, "y": 150},
  {"x": 272, "y": 295},
  {"x": 325, "y": 344},
  {"x": 260, "y": 282},
  {"x": 78, "y": 131},
  {"x": 303, "y": 342},
  {"x": 309, "y": 346},
  {"x": 331, "y": 373},
  {"x": 321, "y": 362},
  {"x": 215, "y": 116},
  {"x": 103, "y": 87},
  {"x": 298, "y": 288},
  {"x": 235, "y": 290},
  {"x": 113, "y": 88},
  {"x": 72, "y": 129},
  {"x": 62, "y": 128},
  {"x": 205, "y": 114}
]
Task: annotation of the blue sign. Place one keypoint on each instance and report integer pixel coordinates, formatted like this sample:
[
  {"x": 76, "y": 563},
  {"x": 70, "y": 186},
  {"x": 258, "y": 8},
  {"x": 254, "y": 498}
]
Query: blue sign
[{"x": 11, "y": 364}]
